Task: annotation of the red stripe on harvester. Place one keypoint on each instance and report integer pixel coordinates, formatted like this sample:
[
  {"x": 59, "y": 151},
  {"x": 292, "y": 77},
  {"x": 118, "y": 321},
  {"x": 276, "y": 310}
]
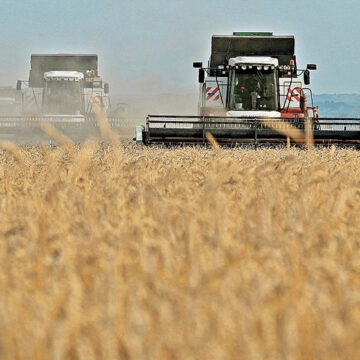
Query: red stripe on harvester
[
  {"x": 212, "y": 93},
  {"x": 291, "y": 94},
  {"x": 293, "y": 97},
  {"x": 297, "y": 97}
]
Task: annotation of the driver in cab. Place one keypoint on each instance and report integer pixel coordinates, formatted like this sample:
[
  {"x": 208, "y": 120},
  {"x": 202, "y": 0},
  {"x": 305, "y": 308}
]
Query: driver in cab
[{"x": 247, "y": 93}]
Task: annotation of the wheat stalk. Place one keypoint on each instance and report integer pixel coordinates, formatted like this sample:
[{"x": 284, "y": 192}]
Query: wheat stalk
[
  {"x": 55, "y": 134},
  {"x": 107, "y": 134},
  {"x": 213, "y": 142},
  {"x": 286, "y": 129},
  {"x": 16, "y": 152}
]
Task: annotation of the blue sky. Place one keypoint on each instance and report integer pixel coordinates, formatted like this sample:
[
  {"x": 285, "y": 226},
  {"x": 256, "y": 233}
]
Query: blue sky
[{"x": 159, "y": 40}]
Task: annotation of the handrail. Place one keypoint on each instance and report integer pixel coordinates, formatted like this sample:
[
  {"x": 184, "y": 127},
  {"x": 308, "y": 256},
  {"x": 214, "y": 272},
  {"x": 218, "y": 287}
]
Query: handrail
[
  {"x": 247, "y": 117},
  {"x": 252, "y": 122}
]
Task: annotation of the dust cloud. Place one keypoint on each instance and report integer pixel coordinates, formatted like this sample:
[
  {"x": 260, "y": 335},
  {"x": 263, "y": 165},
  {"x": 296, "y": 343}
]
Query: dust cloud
[{"x": 151, "y": 95}]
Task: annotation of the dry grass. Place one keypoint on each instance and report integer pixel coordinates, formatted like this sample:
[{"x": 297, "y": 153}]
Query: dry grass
[{"x": 143, "y": 253}]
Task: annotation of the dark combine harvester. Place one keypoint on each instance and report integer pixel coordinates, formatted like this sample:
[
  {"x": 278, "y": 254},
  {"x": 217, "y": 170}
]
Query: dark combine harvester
[
  {"x": 251, "y": 91},
  {"x": 61, "y": 91}
]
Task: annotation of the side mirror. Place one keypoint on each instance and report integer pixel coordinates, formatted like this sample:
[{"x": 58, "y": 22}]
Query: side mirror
[
  {"x": 197, "y": 65},
  {"x": 106, "y": 88},
  {"x": 18, "y": 85},
  {"x": 201, "y": 76},
  {"x": 306, "y": 77},
  {"x": 311, "y": 67}
]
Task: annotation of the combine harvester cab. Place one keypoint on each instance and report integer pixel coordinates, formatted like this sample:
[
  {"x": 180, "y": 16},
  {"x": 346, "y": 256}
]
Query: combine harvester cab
[
  {"x": 251, "y": 91},
  {"x": 60, "y": 91}
]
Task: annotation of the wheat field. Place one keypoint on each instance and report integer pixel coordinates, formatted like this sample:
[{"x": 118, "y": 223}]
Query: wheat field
[{"x": 125, "y": 252}]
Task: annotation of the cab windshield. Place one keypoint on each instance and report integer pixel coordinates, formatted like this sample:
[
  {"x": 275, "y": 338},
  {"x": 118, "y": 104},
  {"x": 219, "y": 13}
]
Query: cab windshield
[
  {"x": 62, "y": 97},
  {"x": 253, "y": 90}
]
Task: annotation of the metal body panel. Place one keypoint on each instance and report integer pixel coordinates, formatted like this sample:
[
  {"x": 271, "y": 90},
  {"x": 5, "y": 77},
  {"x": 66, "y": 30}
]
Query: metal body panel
[
  {"x": 42, "y": 63},
  {"x": 224, "y": 47},
  {"x": 289, "y": 92},
  {"x": 212, "y": 96}
]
